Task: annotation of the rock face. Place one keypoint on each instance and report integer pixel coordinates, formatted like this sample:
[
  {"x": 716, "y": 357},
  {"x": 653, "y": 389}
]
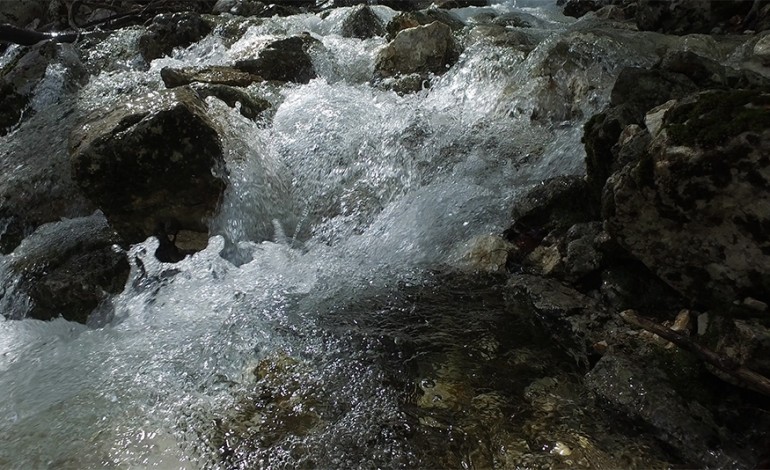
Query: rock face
[
  {"x": 284, "y": 60},
  {"x": 154, "y": 165},
  {"x": 423, "y": 49},
  {"x": 64, "y": 268},
  {"x": 696, "y": 207},
  {"x": 169, "y": 31}
]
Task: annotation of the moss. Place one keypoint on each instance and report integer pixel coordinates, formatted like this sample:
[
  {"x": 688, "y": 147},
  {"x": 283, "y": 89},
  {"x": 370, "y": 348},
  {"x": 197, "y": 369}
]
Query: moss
[{"x": 719, "y": 115}]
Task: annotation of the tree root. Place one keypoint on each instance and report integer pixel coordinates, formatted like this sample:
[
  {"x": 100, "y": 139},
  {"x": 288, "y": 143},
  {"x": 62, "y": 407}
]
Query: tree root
[{"x": 745, "y": 377}]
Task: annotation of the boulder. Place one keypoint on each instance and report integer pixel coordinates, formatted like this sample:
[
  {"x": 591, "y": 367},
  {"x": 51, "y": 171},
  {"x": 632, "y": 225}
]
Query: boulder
[
  {"x": 695, "y": 208},
  {"x": 171, "y": 30},
  {"x": 422, "y": 49},
  {"x": 413, "y": 19},
  {"x": 362, "y": 23},
  {"x": 284, "y": 60},
  {"x": 154, "y": 165},
  {"x": 64, "y": 268}
]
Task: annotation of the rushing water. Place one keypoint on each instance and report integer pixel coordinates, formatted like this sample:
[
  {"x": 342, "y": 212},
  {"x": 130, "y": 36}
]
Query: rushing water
[{"x": 330, "y": 323}]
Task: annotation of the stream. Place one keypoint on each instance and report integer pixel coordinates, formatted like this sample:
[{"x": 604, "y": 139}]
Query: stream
[{"x": 334, "y": 320}]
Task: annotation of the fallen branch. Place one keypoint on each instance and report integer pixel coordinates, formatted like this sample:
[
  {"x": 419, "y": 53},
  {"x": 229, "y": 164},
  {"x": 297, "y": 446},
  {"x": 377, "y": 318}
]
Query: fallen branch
[{"x": 751, "y": 379}]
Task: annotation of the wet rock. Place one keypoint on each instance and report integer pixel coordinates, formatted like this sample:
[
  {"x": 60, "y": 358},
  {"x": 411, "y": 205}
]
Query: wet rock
[
  {"x": 250, "y": 107},
  {"x": 693, "y": 16},
  {"x": 578, "y": 8},
  {"x": 154, "y": 165},
  {"x": 553, "y": 205},
  {"x": 628, "y": 283},
  {"x": 63, "y": 269},
  {"x": 702, "y": 186},
  {"x": 251, "y": 8},
  {"x": 23, "y": 13},
  {"x": 411, "y": 5},
  {"x": 641, "y": 390},
  {"x": 573, "y": 319},
  {"x": 284, "y": 60},
  {"x": 215, "y": 75},
  {"x": 362, "y": 23},
  {"x": 25, "y": 70},
  {"x": 171, "y": 30},
  {"x": 423, "y": 49},
  {"x": 486, "y": 253},
  {"x": 414, "y": 19},
  {"x": 36, "y": 187}
]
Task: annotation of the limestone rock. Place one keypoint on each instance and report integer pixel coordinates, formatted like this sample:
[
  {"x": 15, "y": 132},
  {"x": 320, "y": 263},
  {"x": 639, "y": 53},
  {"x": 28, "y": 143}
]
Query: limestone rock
[
  {"x": 150, "y": 163},
  {"x": 423, "y": 49},
  {"x": 285, "y": 60},
  {"x": 170, "y": 30},
  {"x": 64, "y": 268},
  {"x": 696, "y": 207},
  {"x": 250, "y": 107}
]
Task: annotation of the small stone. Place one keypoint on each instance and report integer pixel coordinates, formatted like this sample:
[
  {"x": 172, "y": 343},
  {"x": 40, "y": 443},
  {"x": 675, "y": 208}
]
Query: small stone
[
  {"x": 703, "y": 323},
  {"x": 562, "y": 449},
  {"x": 682, "y": 322},
  {"x": 600, "y": 347},
  {"x": 755, "y": 304},
  {"x": 654, "y": 118}
]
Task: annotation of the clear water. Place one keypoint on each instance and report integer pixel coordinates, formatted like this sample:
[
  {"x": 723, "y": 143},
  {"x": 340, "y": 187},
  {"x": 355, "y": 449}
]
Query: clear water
[{"x": 329, "y": 323}]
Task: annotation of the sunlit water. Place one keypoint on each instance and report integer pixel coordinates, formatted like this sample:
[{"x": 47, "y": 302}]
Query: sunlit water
[{"x": 329, "y": 323}]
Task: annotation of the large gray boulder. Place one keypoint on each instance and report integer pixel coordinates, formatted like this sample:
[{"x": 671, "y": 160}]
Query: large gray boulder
[
  {"x": 422, "y": 49},
  {"x": 154, "y": 165},
  {"x": 695, "y": 207}
]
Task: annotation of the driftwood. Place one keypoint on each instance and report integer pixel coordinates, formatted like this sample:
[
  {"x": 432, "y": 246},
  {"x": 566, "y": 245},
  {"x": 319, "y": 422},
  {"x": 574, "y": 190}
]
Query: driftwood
[{"x": 744, "y": 376}]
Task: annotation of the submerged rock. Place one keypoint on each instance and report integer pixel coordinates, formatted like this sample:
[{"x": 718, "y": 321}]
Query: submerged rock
[
  {"x": 642, "y": 391},
  {"x": 154, "y": 165},
  {"x": 63, "y": 269},
  {"x": 285, "y": 60}
]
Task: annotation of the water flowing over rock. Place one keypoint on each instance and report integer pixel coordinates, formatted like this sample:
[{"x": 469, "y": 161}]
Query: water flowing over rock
[
  {"x": 152, "y": 160},
  {"x": 168, "y": 31},
  {"x": 696, "y": 208},
  {"x": 63, "y": 269},
  {"x": 319, "y": 274},
  {"x": 284, "y": 60}
]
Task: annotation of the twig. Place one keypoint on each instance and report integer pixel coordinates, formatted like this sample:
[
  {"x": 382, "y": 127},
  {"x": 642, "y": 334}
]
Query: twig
[{"x": 751, "y": 379}]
